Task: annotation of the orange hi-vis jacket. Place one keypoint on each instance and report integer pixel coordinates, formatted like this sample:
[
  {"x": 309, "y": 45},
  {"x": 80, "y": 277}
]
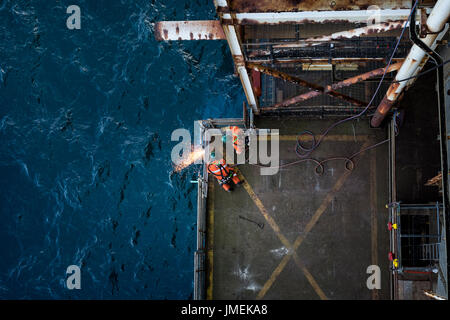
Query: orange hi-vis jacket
[
  {"x": 238, "y": 144},
  {"x": 224, "y": 173}
]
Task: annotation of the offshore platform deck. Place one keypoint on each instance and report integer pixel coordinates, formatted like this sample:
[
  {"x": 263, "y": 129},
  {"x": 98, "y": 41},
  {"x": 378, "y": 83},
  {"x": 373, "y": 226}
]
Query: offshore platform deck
[
  {"x": 298, "y": 234},
  {"x": 304, "y": 234}
]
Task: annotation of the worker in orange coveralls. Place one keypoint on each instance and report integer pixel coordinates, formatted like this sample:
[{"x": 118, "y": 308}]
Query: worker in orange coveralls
[
  {"x": 237, "y": 135},
  {"x": 225, "y": 175}
]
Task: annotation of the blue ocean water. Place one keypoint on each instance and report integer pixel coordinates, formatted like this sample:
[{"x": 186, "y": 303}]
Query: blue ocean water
[{"x": 86, "y": 118}]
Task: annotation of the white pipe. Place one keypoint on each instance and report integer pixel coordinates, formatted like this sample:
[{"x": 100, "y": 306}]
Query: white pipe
[
  {"x": 233, "y": 42},
  {"x": 238, "y": 57},
  {"x": 433, "y": 46},
  {"x": 439, "y": 16},
  {"x": 247, "y": 86},
  {"x": 230, "y": 33},
  {"x": 414, "y": 61},
  {"x": 435, "y": 22}
]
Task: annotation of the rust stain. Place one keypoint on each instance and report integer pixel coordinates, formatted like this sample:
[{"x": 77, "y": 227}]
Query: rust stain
[
  {"x": 367, "y": 75},
  {"x": 223, "y": 9},
  {"x": 312, "y": 5},
  {"x": 158, "y": 35},
  {"x": 239, "y": 60},
  {"x": 198, "y": 30},
  {"x": 303, "y": 21},
  {"x": 312, "y": 86},
  {"x": 383, "y": 108},
  {"x": 385, "y": 105},
  {"x": 227, "y": 21},
  {"x": 247, "y": 21},
  {"x": 392, "y": 89}
]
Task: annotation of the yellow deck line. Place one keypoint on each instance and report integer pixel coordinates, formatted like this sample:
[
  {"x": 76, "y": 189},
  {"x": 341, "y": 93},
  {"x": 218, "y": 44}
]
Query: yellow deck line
[
  {"x": 336, "y": 137},
  {"x": 263, "y": 210},
  {"x": 300, "y": 238},
  {"x": 310, "y": 278},
  {"x": 273, "y": 277},
  {"x": 210, "y": 237},
  {"x": 308, "y": 228},
  {"x": 282, "y": 238}
]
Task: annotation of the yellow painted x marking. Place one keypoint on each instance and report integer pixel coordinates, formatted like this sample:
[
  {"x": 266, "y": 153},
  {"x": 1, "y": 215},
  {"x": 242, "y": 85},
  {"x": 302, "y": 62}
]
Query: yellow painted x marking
[{"x": 293, "y": 247}]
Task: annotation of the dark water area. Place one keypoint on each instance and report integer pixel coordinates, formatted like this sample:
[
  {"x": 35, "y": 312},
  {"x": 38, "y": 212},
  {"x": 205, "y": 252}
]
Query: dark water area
[{"x": 86, "y": 118}]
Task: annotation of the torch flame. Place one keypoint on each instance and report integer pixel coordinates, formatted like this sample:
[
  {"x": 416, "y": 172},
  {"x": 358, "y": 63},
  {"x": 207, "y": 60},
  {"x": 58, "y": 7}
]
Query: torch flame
[{"x": 195, "y": 155}]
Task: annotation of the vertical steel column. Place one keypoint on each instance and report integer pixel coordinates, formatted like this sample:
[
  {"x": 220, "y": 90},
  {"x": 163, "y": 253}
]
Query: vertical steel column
[
  {"x": 392, "y": 208},
  {"x": 237, "y": 53}
]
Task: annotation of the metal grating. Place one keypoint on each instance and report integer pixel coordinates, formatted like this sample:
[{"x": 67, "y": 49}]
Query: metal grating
[
  {"x": 365, "y": 47},
  {"x": 418, "y": 235},
  {"x": 275, "y": 90}
]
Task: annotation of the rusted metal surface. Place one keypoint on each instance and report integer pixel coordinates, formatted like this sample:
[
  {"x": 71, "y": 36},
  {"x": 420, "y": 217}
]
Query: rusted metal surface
[
  {"x": 361, "y": 61},
  {"x": 348, "y": 34},
  {"x": 433, "y": 295},
  {"x": 281, "y": 75},
  {"x": 383, "y": 108},
  {"x": 320, "y": 110},
  {"x": 423, "y": 24},
  {"x": 365, "y": 76},
  {"x": 311, "y": 17},
  {"x": 435, "y": 181},
  {"x": 312, "y": 5},
  {"x": 256, "y": 82},
  {"x": 233, "y": 39},
  {"x": 258, "y": 53},
  {"x": 189, "y": 30},
  {"x": 339, "y": 85},
  {"x": 312, "y": 86}
]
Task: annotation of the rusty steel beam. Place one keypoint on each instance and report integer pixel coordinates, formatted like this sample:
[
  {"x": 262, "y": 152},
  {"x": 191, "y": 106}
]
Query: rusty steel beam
[
  {"x": 436, "y": 181},
  {"x": 312, "y": 16},
  {"x": 347, "y": 34},
  {"x": 339, "y": 85},
  {"x": 189, "y": 30},
  {"x": 231, "y": 31},
  {"x": 325, "y": 61},
  {"x": 239, "y": 61},
  {"x": 312, "y": 86},
  {"x": 312, "y": 5},
  {"x": 315, "y": 109}
]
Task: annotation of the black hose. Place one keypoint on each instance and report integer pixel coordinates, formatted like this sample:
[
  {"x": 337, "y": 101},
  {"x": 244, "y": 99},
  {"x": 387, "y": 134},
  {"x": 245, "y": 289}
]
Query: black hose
[
  {"x": 422, "y": 73},
  {"x": 304, "y": 152}
]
